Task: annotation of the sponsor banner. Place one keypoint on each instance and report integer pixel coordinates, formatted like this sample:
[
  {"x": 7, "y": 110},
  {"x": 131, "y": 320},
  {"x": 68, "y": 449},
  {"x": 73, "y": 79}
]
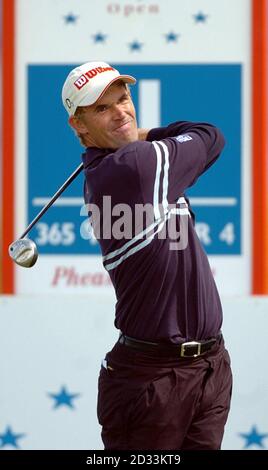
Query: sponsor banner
[
  {"x": 187, "y": 68},
  {"x": 85, "y": 274}
]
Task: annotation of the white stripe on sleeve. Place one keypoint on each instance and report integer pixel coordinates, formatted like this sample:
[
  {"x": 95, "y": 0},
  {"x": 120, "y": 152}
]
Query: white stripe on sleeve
[{"x": 157, "y": 180}]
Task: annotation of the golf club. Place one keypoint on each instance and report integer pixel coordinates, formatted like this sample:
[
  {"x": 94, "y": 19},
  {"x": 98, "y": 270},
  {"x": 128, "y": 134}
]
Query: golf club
[{"x": 24, "y": 251}]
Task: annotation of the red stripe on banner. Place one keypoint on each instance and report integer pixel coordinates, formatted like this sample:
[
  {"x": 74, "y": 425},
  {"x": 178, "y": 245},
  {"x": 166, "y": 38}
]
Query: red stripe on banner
[
  {"x": 8, "y": 141},
  {"x": 259, "y": 148}
]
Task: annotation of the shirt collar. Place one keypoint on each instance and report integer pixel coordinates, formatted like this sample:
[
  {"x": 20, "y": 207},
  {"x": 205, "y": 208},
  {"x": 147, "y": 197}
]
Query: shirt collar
[{"x": 94, "y": 153}]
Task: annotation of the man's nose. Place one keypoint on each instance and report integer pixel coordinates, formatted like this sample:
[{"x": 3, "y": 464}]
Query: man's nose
[{"x": 118, "y": 111}]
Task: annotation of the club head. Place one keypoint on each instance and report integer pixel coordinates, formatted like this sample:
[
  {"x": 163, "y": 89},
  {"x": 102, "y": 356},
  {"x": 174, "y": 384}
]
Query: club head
[{"x": 23, "y": 252}]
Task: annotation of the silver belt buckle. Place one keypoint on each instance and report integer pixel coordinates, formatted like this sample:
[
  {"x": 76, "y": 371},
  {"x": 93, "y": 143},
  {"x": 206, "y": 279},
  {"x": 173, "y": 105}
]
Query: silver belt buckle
[{"x": 191, "y": 343}]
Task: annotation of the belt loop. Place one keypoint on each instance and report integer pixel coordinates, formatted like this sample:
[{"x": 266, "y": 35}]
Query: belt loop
[{"x": 122, "y": 338}]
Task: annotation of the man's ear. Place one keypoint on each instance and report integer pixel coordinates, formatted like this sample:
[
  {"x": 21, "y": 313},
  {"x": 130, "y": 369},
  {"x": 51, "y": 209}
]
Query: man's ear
[{"x": 77, "y": 125}]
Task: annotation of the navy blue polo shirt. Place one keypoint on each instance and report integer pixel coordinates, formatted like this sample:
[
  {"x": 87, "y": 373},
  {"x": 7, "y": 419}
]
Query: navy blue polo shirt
[{"x": 145, "y": 226}]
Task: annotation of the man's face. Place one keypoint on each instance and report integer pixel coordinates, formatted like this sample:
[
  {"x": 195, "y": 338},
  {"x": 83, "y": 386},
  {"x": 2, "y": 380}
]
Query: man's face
[{"x": 111, "y": 121}]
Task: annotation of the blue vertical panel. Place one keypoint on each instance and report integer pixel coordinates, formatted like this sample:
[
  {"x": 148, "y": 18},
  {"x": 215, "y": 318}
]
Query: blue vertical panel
[{"x": 202, "y": 92}]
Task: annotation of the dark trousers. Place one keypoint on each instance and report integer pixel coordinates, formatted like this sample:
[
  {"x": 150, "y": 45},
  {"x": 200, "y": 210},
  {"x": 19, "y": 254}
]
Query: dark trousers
[{"x": 152, "y": 403}]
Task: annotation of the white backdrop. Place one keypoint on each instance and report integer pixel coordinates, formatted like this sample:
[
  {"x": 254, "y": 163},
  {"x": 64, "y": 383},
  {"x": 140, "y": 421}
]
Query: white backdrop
[{"x": 54, "y": 345}]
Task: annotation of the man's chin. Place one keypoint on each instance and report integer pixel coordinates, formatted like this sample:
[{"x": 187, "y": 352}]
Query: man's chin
[
  {"x": 126, "y": 141},
  {"x": 123, "y": 140}
]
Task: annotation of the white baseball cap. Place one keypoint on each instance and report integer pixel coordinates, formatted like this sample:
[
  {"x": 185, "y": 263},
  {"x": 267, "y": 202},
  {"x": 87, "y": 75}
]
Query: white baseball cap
[{"x": 87, "y": 83}]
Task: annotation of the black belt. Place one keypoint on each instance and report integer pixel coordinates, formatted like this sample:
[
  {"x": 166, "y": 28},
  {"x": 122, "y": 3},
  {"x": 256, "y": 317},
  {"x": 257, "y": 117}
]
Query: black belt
[{"x": 187, "y": 349}]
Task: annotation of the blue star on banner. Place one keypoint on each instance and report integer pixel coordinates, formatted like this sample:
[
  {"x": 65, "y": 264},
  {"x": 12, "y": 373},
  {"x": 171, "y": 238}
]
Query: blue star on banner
[
  {"x": 135, "y": 46},
  {"x": 172, "y": 37},
  {"x": 70, "y": 18},
  {"x": 253, "y": 438},
  {"x": 200, "y": 17},
  {"x": 63, "y": 398},
  {"x": 9, "y": 438},
  {"x": 99, "y": 37}
]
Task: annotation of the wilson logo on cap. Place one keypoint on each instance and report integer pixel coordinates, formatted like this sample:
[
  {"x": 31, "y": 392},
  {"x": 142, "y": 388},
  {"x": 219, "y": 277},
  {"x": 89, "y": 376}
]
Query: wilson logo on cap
[{"x": 83, "y": 79}]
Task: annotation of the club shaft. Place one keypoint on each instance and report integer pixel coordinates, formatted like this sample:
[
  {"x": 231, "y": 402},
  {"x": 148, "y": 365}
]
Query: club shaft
[{"x": 53, "y": 199}]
